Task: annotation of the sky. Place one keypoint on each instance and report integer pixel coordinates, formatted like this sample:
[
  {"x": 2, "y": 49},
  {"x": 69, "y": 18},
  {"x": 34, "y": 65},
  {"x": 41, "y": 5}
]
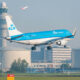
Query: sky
[{"x": 45, "y": 15}]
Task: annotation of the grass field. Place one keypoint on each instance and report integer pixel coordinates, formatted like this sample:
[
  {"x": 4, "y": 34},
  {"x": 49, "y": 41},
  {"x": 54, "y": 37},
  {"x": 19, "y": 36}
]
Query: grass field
[
  {"x": 42, "y": 74},
  {"x": 44, "y": 78}
]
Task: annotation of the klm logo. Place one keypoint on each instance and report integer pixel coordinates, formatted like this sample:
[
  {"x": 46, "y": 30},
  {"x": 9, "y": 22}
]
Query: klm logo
[
  {"x": 12, "y": 27},
  {"x": 54, "y": 32}
]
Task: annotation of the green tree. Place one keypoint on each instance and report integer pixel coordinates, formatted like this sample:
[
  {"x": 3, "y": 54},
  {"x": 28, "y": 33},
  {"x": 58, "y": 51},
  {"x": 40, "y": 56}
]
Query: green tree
[
  {"x": 0, "y": 70},
  {"x": 65, "y": 66},
  {"x": 19, "y": 66}
]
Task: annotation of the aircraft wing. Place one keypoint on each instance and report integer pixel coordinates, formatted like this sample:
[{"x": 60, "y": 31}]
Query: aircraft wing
[{"x": 54, "y": 40}]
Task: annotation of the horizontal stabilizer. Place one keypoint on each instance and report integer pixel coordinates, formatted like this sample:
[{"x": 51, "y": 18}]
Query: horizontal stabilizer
[{"x": 17, "y": 37}]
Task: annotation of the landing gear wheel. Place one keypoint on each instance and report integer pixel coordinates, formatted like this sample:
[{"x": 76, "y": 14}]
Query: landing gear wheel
[
  {"x": 65, "y": 46},
  {"x": 33, "y": 48},
  {"x": 49, "y": 47}
]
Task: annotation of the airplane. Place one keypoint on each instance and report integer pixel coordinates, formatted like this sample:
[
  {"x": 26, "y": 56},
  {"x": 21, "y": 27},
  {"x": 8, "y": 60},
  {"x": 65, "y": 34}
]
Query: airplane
[
  {"x": 59, "y": 37},
  {"x": 24, "y": 8}
]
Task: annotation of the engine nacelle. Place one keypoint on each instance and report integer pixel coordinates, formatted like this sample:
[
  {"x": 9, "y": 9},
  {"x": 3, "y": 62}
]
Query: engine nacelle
[
  {"x": 58, "y": 42},
  {"x": 61, "y": 42}
]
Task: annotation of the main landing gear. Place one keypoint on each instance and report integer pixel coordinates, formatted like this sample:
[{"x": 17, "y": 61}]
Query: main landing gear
[
  {"x": 65, "y": 46},
  {"x": 49, "y": 47},
  {"x": 33, "y": 48}
]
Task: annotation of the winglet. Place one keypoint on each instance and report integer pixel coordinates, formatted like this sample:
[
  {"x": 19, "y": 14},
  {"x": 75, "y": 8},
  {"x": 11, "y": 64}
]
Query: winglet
[{"x": 74, "y": 32}]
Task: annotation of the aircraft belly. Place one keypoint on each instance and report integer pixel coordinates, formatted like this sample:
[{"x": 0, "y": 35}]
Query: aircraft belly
[
  {"x": 39, "y": 41},
  {"x": 34, "y": 42},
  {"x": 24, "y": 42}
]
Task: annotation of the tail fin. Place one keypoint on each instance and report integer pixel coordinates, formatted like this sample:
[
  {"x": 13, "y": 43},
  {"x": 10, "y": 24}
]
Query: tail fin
[{"x": 11, "y": 27}]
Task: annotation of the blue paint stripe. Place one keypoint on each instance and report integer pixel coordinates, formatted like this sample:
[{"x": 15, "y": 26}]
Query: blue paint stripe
[{"x": 43, "y": 34}]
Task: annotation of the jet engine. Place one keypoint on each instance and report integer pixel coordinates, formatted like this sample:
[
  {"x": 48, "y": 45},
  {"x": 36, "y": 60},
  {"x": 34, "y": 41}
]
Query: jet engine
[{"x": 61, "y": 42}]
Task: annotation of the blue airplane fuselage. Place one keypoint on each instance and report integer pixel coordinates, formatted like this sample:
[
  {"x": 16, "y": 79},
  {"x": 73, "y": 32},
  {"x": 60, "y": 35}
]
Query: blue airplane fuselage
[{"x": 43, "y": 35}]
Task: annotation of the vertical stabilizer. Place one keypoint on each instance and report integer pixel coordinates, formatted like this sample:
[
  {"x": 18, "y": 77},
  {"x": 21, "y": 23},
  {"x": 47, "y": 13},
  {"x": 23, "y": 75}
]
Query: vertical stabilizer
[{"x": 11, "y": 27}]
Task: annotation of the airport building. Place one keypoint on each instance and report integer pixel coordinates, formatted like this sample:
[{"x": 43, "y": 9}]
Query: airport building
[
  {"x": 51, "y": 58},
  {"x": 41, "y": 56},
  {"x": 3, "y": 31},
  {"x": 76, "y": 58},
  {"x": 8, "y": 56},
  {"x": 61, "y": 56}
]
